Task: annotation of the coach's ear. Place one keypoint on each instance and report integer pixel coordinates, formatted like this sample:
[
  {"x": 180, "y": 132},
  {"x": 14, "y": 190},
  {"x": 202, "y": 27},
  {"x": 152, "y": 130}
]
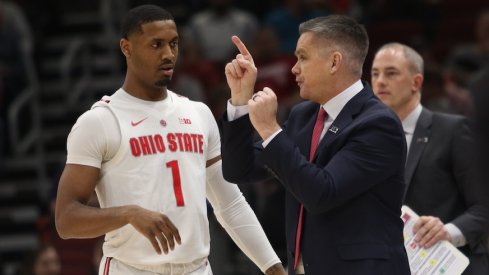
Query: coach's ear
[{"x": 125, "y": 47}]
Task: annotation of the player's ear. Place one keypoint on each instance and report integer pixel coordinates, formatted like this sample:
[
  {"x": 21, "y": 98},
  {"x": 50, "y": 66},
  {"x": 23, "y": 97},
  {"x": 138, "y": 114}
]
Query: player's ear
[{"x": 125, "y": 47}]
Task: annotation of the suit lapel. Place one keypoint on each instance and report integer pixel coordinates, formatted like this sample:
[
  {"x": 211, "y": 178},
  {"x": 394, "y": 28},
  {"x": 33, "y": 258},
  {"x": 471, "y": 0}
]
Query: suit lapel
[
  {"x": 345, "y": 117},
  {"x": 418, "y": 143}
]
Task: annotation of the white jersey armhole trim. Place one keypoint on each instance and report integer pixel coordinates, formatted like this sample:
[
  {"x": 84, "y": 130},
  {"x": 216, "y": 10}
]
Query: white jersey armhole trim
[{"x": 118, "y": 153}]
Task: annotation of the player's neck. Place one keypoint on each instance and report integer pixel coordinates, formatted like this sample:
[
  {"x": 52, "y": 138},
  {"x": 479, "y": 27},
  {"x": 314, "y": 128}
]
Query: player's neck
[{"x": 149, "y": 93}]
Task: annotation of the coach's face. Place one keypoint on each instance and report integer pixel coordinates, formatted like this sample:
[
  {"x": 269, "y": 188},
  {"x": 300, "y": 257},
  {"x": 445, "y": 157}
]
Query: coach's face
[
  {"x": 151, "y": 54},
  {"x": 313, "y": 68}
]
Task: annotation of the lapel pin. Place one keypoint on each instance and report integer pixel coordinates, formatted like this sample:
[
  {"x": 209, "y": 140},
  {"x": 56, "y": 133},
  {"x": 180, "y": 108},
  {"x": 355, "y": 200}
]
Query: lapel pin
[
  {"x": 422, "y": 140},
  {"x": 333, "y": 129}
]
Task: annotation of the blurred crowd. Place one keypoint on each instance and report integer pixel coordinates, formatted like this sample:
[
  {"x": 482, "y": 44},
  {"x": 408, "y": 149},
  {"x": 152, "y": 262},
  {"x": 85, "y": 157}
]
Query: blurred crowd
[{"x": 455, "y": 50}]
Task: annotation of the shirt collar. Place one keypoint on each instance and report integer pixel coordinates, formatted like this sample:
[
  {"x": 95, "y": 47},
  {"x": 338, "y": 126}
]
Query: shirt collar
[
  {"x": 334, "y": 106},
  {"x": 409, "y": 123}
]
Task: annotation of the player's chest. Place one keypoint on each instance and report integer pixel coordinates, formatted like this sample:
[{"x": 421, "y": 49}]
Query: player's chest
[{"x": 152, "y": 133}]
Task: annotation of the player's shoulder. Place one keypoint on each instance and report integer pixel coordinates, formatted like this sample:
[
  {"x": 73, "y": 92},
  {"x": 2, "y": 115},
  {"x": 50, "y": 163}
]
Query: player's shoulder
[
  {"x": 179, "y": 97},
  {"x": 97, "y": 113},
  {"x": 197, "y": 105}
]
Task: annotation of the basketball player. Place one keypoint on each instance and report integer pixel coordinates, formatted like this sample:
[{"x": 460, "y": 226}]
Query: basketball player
[{"x": 152, "y": 157}]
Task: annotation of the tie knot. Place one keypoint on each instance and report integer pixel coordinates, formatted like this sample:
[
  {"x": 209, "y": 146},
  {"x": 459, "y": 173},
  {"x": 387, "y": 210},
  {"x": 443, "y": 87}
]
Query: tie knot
[{"x": 322, "y": 114}]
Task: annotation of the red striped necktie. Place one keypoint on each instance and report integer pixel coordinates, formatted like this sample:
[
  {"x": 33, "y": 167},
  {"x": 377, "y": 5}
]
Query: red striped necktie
[{"x": 316, "y": 136}]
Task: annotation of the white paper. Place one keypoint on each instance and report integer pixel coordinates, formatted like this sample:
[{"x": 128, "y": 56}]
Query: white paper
[{"x": 441, "y": 259}]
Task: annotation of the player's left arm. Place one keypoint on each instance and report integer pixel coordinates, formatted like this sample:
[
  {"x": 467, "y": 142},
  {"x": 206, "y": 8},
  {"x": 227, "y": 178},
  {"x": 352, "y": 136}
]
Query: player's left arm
[
  {"x": 238, "y": 219},
  {"x": 230, "y": 207}
]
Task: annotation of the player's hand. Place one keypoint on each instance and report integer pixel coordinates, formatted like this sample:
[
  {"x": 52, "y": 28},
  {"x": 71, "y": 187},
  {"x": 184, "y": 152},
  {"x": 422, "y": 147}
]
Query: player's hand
[
  {"x": 276, "y": 269},
  {"x": 156, "y": 227},
  {"x": 241, "y": 74},
  {"x": 263, "y": 112},
  {"x": 429, "y": 230}
]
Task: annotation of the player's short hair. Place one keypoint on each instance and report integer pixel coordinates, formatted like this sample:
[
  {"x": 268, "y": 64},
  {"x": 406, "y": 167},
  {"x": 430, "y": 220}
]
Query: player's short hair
[
  {"x": 141, "y": 15},
  {"x": 343, "y": 33}
]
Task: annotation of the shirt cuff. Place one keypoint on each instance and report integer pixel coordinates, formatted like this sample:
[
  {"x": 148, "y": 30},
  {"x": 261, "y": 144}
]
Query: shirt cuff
[
  {"x": 270, "y": 138},
  {"x": 235, "y": 112},
  {"x": 456, "y": 236}
]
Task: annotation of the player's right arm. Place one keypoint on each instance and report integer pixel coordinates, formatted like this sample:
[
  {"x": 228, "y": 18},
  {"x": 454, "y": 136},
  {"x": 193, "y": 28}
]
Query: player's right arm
[
  {"x": 87, "y": 144},
  {"x": 75, "y": 219}
]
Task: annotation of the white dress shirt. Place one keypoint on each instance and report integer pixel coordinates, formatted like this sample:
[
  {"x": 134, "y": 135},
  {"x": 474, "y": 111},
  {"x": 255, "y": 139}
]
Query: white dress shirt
[{"x": 409, "y": 124}]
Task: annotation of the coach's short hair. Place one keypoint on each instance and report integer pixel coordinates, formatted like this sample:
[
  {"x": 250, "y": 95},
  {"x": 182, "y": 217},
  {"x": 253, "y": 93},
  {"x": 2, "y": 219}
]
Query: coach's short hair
[
  {"x": 415, "y": 61},
  {"x": 141, "y": 15},
  {"x": 343, "y": 32}
]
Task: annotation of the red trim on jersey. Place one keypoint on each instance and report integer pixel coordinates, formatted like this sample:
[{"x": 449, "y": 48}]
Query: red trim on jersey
[{"x": 107, "y": 265}]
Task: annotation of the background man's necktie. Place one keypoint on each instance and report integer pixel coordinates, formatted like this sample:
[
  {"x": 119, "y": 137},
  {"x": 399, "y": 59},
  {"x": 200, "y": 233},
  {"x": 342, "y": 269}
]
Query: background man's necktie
[{"x": 316, "y": 136}]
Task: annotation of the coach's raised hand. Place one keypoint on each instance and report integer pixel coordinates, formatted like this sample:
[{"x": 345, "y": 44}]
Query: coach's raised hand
[{"x": 241, "y": 74}]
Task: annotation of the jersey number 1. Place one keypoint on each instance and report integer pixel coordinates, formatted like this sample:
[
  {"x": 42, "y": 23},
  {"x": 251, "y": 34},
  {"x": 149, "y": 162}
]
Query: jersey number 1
[{"x": 177, "y": 186}]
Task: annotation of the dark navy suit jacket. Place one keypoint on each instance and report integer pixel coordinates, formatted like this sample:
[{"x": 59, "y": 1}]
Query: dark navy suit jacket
[{"x": 351, "y": 192}]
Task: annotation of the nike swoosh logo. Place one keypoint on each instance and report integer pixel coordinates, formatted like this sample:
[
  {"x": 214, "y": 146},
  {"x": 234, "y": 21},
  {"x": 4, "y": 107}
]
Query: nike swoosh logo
[{"x": 138, "y": 122}]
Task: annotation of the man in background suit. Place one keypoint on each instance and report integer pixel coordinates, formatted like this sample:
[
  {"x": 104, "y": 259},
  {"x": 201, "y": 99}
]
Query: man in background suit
[
  {"x": 480, "y": 90},
  {"x": 439, "y": 182},
  {"x": 342, "y": 200}
]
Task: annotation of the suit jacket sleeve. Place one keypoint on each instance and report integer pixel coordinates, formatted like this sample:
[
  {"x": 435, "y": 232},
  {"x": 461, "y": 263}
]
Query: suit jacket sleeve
[
  {"x": 474, "y": 220},
  {"x": 241, "y": 157},
  {"x": 369, "y": 153}
]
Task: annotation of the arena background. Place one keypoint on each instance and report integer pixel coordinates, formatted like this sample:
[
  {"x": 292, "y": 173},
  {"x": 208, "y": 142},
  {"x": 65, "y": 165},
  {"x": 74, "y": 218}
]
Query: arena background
[{"x": 58, "y": 57}]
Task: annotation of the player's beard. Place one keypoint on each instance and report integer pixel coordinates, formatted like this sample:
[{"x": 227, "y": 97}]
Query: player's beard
[{"x": 162, "y": 82}]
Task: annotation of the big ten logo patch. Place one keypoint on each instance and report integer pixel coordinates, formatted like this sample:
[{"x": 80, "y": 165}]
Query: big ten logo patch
[{"x": 183, "y": 120}]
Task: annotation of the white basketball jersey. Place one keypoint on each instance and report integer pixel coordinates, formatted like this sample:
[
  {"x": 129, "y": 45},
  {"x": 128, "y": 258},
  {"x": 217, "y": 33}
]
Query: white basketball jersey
[{"x": 160, "y": 166}]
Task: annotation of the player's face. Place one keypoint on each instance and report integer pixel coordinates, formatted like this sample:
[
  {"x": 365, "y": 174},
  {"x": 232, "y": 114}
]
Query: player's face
[
  {"x": 311, "y": 69},
  {"x": 154, "y": 53},
  {"x": 392, "y": 81}
]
